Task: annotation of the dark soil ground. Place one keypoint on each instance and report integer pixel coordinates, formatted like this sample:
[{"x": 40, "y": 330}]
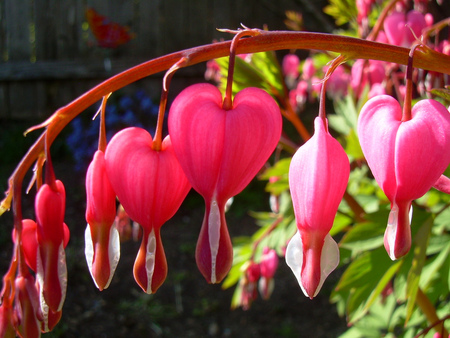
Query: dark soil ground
[{"x": 185, "y": 305}]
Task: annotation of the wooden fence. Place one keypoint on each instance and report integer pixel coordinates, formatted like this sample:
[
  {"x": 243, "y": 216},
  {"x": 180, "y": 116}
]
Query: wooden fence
[{"x": 49, "y": 56}]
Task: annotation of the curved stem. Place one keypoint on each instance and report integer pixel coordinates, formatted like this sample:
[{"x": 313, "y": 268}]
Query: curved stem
[
  {"x": 102, "y": 131},
  {"x": 406, "y": 116},
  {"x": 157, "y": 140},
  {"x": 430, "y": 312},
  {"x": 228, "y": 100}
]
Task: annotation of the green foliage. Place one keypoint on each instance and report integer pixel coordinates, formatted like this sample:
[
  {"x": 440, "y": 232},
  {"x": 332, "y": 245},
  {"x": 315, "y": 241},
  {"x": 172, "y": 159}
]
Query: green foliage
[{"x": 343, "y": 11}]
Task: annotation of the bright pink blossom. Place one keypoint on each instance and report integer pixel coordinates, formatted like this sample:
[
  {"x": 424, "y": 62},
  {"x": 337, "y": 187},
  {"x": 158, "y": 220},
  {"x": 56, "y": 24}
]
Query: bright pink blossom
[
  {"x": 51, "y": 259},
  {"x": 366, "y": 73},
  {"x": 318, "y": 177},
  {"x": 220, "y": 152},
  {"x": 403, "y": 29},
  {"x": 290, "y": 65},
  {"x": 268, "y": 267},
  {"x": 102, "y": 244},
  {"x": 308, "y": 69},
  {"x": 151, "y": 186},
  {"x": 406, "y": 158}
]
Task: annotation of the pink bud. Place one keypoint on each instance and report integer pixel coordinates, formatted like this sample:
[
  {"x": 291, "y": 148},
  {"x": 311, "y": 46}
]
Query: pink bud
[
  {"x": 269, "y": 263},
  {"x": 290, "y": 65},
  {"x": 308, "y": 69},
  {"x": 220, "y": 152},
  {"x": 27, "y": 306},
  {"x": 318, "y": 177},
  {"x": 51, "y": 259},
  {"x": 406, "y": 158},
  {"x": 102, "y": 244}
]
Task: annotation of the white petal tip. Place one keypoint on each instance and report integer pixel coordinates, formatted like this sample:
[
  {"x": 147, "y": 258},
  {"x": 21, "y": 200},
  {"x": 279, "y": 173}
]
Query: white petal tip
[{"x": 328, "y": 262}]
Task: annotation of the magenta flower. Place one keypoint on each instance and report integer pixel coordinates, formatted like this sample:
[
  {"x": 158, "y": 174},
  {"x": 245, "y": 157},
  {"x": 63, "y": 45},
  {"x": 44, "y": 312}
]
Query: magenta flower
[
  {"x": 268, "y": 267},
  {"x": 406, "y": 158},
  {"x": 220, "y": 152},
  {"x": 151, "y": 186},
  {"x": 290, "y": 65},
  {"x": 51, "y": 258},
  {"x": 318, "y": 177},
  {"x": 102, "y": 244},
  {"x": 402, "y": 29}
]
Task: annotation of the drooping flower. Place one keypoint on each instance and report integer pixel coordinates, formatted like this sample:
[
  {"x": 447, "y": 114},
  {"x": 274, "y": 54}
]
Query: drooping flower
[
  {"x": 248, "y": 285},
  {"x": 406, "y": 158},
  {"x": 101, "y": 236},
  {"x": 27, "y": 306},
  {"x": 151, "y": 186},
  {"x": 268, "y": 266},
  {"x": 318, "y": 177},
  {"x": 221, "y": 151},
  {"x": 51, "y": 258},
  {"x": 402, "y": 29}
]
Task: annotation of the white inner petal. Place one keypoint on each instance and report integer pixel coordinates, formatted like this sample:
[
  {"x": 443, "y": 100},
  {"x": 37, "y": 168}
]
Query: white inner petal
[
  {"x": 89, "y": 251},
  {"x": 113, "y": 252},
  {"x": 214, "y": 236},
  {"x": 150, "y": 259}
]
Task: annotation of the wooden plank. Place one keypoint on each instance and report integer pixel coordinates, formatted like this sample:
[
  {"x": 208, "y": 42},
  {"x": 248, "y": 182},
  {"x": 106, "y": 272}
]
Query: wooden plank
[
  {"x": 65, "y": 69},
  {"x": 149, "y": 29},
  {"x": 4, "y": 109},
  {"x": 18, "y": 23}
]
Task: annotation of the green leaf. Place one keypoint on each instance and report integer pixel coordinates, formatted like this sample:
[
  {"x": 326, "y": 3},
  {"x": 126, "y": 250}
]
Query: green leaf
[
  {"x": 434, "y": 267},
  {"x": 279, "y": 169},
  {"x": 365, "y": 276},
  {"x": 352, "y": 145},
  {"x": 441, "y": 92},
  {"x": 368, "y": 235},
  {"x": 343, "y": 11}
]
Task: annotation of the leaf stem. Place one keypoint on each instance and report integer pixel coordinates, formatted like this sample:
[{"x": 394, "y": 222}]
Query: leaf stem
[{"x": 429, "y": 311}]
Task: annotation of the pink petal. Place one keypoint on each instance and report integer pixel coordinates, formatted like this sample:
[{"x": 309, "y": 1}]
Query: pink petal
[
  {"x": 378, "y": 123},
  {"x": 318, "y": 177}
]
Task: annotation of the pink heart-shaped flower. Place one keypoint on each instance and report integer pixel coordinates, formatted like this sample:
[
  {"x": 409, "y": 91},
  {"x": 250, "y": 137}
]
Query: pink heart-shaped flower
[
  {"x": 151, "y": 186},
  {"x": 220, "y": 152},
  {"x": 406, "y": 158}
]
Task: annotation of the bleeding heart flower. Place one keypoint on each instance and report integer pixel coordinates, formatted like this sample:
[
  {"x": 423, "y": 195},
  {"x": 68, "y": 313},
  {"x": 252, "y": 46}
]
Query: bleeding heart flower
[
  {"x": 51, "y": 258},
  {"x": 220, "y": 152},
  {"x": 268, "y": 265},
  {"x": 151, "y": 186},
  {"x": 402, "y": 29},
  {"x": 101, "y": 236},
  {"x": 318, "y": 177},
  {"x": 406, "y": 158},
  {"x": 27, "y": 307}
]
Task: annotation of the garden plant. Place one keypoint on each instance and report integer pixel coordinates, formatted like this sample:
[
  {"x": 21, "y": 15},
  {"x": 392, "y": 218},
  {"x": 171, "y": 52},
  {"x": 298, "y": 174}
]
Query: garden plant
[{"x": 360, "y": 184}]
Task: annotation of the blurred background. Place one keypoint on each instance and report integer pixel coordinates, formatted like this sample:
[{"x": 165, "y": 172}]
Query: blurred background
[{"x": 52, "y": 51}]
